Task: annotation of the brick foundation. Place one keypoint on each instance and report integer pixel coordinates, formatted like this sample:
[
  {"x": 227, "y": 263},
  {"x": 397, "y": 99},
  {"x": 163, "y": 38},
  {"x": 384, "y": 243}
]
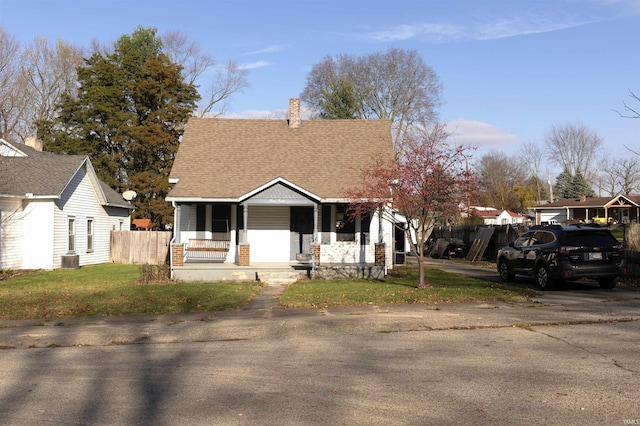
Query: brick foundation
[
  {"x": 244, "y": 255},
  {"x": 177, "y": 255},
  {"x": 380, "y": 255},
  {"x": 315, "y": 251}
]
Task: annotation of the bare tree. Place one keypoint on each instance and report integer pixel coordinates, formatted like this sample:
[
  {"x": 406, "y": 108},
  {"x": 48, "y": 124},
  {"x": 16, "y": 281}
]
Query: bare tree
[
  {"x": 50, "y": 72},
  {"x": 32, "y": 81},
  {"x": 532, "y": 156},
  {"x": 498, "y": 176},
  {"x": 12, "y": 102},
  {"x": 395, "y": 85},
  {"x": 631, "y": 112},
  {"x": 221, "y": 81},
  {"x": 608, "y": 177},
  {"x": 574, "y": 147},
  {"x": 629, "y": 172},
  {"x": 620, "y": 176}
]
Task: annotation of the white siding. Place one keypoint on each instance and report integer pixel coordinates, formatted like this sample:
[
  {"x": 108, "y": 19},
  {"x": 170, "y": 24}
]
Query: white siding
[
  {"x": 10, "y": 234},
  {"x": 37, "y": 235},
  {"x": 80, "y": 201},
  {"x": 269, "y": 235}
]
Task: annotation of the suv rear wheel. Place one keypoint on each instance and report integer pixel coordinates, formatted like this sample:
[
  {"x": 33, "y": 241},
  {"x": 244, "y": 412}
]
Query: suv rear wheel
[
  {"x": 608, "y": 282},
  {"x": 542, "y": 276}
]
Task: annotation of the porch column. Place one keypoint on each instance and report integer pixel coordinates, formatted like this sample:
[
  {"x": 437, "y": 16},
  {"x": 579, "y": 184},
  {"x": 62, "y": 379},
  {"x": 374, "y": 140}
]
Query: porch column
[
  {"x": 245, "y": 222},
  {"x": 380, "y": 231},
  {"x": 315, "y": 223},
  {"x": 244, "y": 249}
]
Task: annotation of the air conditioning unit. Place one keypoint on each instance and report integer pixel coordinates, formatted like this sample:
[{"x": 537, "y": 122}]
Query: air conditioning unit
[{"x": 71, "y": 261}]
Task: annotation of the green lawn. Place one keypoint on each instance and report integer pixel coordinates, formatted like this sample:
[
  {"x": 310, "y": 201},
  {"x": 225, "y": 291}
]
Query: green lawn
[
  {"x": 398, "y": 288},
  {"x": 109, "y": 290}
]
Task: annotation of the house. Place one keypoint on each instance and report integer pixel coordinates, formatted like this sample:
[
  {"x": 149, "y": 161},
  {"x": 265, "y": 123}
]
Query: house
[
  {"x": 249, "y": 192},
  {"x": 603, "y": 210},
  {"x": 54, "y": 211},
  {"x": 500, "y": 217}
]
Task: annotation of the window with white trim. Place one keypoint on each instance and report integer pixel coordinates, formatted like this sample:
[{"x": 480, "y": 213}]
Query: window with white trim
[
  {"x": 72, "y": 234},
  {"x": 89, "y": 234}
]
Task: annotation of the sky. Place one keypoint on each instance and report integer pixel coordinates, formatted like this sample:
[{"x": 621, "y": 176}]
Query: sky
[{"x": 510, "y": 69}]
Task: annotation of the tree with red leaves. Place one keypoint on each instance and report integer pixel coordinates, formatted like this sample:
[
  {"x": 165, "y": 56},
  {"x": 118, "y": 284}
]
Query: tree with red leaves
[{"x": 425, "y": 184}]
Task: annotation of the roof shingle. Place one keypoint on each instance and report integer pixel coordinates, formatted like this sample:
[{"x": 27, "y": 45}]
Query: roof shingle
[{"x": 228, "y": 158}]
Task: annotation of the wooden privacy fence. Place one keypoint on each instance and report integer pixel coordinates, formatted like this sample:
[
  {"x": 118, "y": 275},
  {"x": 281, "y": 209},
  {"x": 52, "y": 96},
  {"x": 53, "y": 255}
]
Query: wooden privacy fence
[
  {"x": 479, "y": 241},
  {"x": 140, "y": 247}
]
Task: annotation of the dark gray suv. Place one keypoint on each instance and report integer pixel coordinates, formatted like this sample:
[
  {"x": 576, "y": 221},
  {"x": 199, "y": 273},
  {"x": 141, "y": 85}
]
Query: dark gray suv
[{"x": 553, "y": 253}]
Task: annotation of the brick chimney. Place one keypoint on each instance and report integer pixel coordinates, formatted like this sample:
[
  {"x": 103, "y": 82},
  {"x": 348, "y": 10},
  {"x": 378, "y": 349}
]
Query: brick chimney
[
  {"x": 294, "y": 113},
  {"x": 34, "y": 143}
]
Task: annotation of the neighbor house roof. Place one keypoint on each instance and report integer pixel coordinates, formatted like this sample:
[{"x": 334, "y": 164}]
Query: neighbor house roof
[
  {"x": 588, "y": 202},
  {"x": 26, "y": 172},
  {"x": 496, "y": 213},
  {"x": 228, "y": 158}
]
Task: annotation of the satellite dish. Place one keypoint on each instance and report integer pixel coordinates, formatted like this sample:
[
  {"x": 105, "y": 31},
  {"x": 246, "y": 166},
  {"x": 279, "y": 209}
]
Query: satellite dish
[{"x": 129, "y": 195}]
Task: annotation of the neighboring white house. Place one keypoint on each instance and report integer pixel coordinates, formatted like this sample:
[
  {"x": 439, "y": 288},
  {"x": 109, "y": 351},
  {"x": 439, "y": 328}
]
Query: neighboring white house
[
  {"x": 54, "y": 211},
  {"x": 500, "y": 217},
  {"x": 247, "y": 192},
  {"x": 603, "y": 210}
]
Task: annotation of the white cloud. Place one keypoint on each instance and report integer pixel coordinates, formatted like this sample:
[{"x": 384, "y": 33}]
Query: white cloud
[
  {"x": 253, "y": 114},
  {"x": 276, "y": 114},
  {"x": 254, "y": 65},
  {"x": 479, "y": 134},
  {"x": 490, "y": 28},
  {"x": 516, "y": 27},
  {"x": 406, "y": 32},
  {"x": 273, "y": 48}
]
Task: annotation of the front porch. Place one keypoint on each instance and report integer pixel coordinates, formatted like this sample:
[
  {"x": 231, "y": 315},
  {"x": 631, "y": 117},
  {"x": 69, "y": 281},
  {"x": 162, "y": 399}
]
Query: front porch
[
  {"x": 274, "y": 273},
  {"x": 277, "y": 233}
]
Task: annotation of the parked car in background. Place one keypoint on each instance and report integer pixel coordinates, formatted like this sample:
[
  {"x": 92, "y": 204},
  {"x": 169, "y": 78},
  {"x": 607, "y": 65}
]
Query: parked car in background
[{"x": 555, "y": 253}]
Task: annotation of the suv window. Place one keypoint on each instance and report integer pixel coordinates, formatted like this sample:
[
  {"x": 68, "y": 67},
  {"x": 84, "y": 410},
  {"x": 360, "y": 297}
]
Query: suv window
[
  {"x": 524, "y": 240},
  {"x": 589, "y": 239},
  {"x": 544, "y": 237}
]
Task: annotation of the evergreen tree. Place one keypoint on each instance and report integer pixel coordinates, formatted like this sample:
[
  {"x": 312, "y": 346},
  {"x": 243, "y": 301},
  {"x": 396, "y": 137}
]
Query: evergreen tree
[
  {"x": 580, "y": 187},
  {"x": 128, "y": 116},
  {"x": 341, "y": 102},
  {"x": 563, "y": 182}
]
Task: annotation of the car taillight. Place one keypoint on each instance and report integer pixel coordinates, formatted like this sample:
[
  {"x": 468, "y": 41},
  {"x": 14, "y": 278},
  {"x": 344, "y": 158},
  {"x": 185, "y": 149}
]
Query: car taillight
[{"x": 567, "y": 249}]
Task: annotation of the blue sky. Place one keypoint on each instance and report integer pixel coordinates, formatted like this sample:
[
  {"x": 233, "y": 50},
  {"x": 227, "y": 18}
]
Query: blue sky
[{"x": 510, "y": 69}]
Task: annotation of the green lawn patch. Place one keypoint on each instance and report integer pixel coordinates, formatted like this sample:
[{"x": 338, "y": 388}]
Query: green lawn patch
[
  {"x": 398, "y": 288},
  {"x": 109, "y": 290}
]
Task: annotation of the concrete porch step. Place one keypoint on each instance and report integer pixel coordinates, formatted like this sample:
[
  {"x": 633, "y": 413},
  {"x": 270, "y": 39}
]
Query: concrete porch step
[{"x": 280, "y": 277}]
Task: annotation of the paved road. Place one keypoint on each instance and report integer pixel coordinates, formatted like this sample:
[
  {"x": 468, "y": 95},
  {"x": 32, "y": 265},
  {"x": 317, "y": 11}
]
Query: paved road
[{"x": 570, "y": 357}]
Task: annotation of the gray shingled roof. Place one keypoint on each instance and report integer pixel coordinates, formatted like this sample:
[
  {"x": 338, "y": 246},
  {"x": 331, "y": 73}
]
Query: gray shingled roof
[
  {"x": 593, "y": 202},
  {"x": 45, "y": 174},
  {"x": 228, "y": 158}
]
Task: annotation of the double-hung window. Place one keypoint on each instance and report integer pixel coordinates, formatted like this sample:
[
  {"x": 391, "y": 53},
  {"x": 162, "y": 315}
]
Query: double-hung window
[
  {"x": 72, "y": 234},
  {"x": 90, "y": 234}
]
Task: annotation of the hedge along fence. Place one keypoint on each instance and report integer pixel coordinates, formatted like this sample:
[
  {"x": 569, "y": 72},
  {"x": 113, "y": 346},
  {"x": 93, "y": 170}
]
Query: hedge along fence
[{"x": 632, "y": 236}]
